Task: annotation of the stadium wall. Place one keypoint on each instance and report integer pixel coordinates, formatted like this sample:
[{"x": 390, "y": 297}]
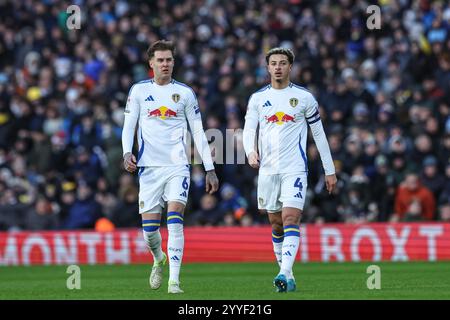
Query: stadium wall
[{"x": 325, "y": 243}]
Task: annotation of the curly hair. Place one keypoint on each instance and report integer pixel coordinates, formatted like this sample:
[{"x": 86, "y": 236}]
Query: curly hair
[{"x": 287, "y": 52}]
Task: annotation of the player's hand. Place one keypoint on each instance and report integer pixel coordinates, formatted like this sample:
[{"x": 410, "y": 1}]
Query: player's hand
[
  {"x": 253, "y": 160},
  {"x": 129, "y": 162},
  {"x": 212, "y": 183},
  {"x": 330, "y": 181}
]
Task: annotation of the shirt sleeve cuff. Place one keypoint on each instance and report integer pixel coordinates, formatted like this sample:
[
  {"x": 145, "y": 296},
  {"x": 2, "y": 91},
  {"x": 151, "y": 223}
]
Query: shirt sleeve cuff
[{"x": 208, "y": 166}]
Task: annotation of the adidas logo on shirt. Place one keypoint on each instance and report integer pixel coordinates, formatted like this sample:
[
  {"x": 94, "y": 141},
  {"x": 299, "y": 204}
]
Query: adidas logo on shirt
[
  {"x": 267, "y": 104},
  {"x": 184, "y": 194},
  {"x": 175, "y": 258},
  {"x": 150, "y": 98}
]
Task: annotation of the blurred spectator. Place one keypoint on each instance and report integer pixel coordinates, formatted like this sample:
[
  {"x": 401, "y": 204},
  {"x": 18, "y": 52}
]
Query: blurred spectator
[
  {"x": 124, "y": 214},
  {"x": 40, "y": 154},
  {"x": 208, "y": 214},
  {"x": 356, "y": 199},
  {"x": 232, "y": 202},
  {"x": 67, "y": 198},
  {"x": 246, "y": 220},
  {"x": 413, "y": 201},
  {"x": 43, "y": 216},
  {"x": 383, "y": 192},
  {"x": 444, "y": 150},
  {"x": 353, "y": 147},
  {"x": 105, "y": 197},
  {"x": 88, "y": 133},
  {"x": 354, "y": 206},
  {"x": 197, "y": 187},
  {"x": 445, "y": 195},
  {"x": 85, "y": 210},
  {"x": 86, "y": 166},
  {"x": 12, "y": 212},
  {"x": 444, "y": 212},
  {"x": 330, "y": 206},
  {"x": 59, "y": 152},
  {"x": 431, "y": 178}
]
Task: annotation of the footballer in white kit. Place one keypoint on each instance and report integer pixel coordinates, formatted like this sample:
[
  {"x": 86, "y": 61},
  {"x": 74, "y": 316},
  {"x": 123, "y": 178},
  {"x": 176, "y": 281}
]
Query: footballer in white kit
[
  {"x": 283, "y": 116},
  {"x": 162, "y": 108},
  {"x": 283, "y": 111},
  {"x": 162, "y": 113}
]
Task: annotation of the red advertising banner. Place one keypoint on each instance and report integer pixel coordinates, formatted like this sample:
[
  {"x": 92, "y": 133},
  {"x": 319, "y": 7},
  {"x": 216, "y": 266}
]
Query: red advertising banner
[{"x": 328, "y": 242}]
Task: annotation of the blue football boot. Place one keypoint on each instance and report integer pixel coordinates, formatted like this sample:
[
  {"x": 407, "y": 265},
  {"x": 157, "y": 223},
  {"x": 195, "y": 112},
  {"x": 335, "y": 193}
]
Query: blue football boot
[
  {"x": 291, "y": 286},
  {"x": 280, "y": 283}
]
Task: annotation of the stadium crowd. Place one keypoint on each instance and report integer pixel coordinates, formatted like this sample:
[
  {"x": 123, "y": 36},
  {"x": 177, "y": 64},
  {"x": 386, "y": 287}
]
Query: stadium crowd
[{"x": 384, "y": 99}]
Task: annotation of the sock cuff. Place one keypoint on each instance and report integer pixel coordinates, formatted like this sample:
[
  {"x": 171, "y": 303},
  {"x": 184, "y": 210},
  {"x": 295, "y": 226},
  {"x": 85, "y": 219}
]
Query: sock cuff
[
  {"x": 292, "y": 230},
  {"x": 276, "y": 234},
  {"x": 174, "y": 217},
  {"x": 276, "y": 237},
  {"x": 151, "y": 225}
]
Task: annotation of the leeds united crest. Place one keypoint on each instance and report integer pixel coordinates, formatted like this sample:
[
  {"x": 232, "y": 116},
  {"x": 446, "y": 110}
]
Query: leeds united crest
[
  {"x": 293, "y": 102},
  {"x": 176, "y": 97}
]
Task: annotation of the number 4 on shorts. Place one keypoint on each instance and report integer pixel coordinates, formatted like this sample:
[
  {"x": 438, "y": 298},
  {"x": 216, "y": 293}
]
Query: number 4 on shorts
[{"x": 298, "y": 184}]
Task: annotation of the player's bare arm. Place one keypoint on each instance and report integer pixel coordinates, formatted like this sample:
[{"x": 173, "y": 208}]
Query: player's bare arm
[
  {"x": 253, "y": 160},
  {"x": 212, "y": 182},
  {"x": 129, "y": 162},
  {"x": 330, "y": 181}
]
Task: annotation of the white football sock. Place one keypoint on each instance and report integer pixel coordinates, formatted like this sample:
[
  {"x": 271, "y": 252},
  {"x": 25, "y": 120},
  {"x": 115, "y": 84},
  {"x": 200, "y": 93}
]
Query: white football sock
[
  {"x": 175, "y": 244},
  {"x": 152, "y": 238},
  {"x": 277, "y": 241},
  {"x": 277, "y": 249},
  {"x": 289, "y": 249}
]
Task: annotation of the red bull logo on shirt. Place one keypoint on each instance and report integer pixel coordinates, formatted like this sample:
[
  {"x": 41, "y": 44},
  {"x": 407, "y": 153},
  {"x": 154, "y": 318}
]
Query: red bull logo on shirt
[
  {"x": 162, "y": 112},
  {"x": 280, "y": 118}
]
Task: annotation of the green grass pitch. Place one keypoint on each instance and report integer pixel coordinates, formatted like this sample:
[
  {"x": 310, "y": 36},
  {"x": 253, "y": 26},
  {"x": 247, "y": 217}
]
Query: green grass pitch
[{"x": 231, "y": 281}]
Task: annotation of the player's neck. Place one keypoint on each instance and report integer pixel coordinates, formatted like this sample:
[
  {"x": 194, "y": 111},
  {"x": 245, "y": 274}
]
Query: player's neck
[
  {"x": 280, "y": 84},
  {"x": 162, "y": 81}
]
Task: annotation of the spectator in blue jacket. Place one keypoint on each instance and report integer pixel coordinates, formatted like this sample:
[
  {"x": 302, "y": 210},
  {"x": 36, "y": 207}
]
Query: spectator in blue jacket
[{"x": 85, "y": 211}]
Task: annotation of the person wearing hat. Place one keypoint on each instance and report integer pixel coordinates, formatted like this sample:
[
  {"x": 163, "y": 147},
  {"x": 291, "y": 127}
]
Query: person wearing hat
[{"x": 67, "y": 198}]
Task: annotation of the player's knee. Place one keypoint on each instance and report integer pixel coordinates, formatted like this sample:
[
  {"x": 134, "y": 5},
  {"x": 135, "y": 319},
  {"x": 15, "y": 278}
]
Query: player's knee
[
  {"x": 291, "y": 216},
  {"x": 291, "y": 219},
  {"x": 175, "y": 206}
]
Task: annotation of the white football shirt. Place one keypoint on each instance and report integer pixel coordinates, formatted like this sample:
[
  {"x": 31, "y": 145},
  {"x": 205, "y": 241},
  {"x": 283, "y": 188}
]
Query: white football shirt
[
  {"x": 283, "y": 116},
  {"x": 162, "y": 114}
]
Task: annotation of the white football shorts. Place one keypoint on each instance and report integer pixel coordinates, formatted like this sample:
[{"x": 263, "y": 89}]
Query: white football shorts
[
  {"x": 277, "y": 191},
  {"x": 160, "y": 184}
]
